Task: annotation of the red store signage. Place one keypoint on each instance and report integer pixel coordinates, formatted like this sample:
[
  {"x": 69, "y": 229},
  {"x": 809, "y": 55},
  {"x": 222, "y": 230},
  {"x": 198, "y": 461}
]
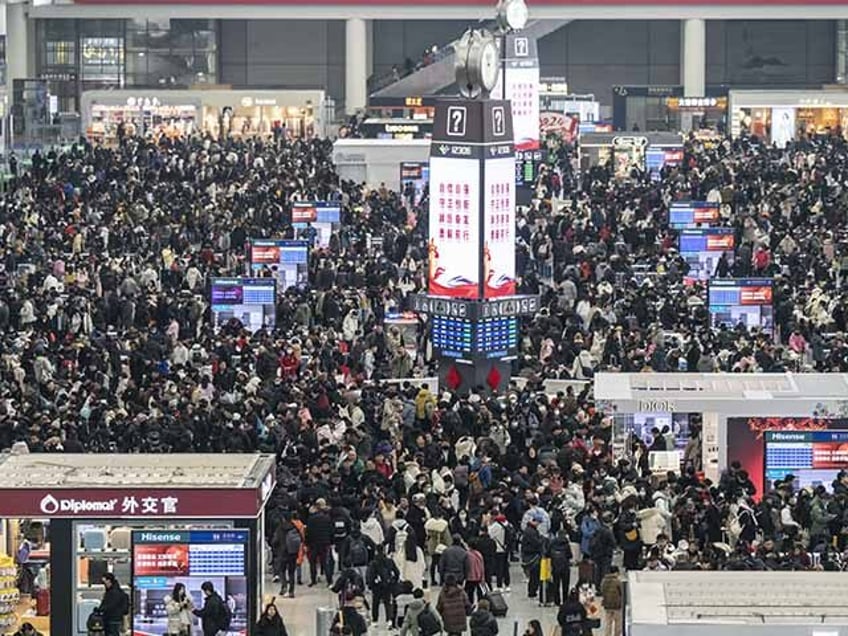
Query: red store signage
[
  {"x": 113, "y": 503},
  {"x": 437, "y": 3}
]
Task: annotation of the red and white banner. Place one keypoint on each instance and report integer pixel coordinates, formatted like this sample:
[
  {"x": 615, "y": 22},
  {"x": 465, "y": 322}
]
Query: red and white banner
[{"x": 558, "y": 123}]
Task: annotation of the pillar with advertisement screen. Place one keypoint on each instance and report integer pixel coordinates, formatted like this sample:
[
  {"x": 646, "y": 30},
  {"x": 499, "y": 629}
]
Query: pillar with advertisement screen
[
  {"x": 519, "y": 84},
  {"x": 472, "y": 307}
]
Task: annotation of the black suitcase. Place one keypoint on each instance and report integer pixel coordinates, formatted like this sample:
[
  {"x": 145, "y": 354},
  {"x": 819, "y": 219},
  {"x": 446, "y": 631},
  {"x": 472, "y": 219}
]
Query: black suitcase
[
  {"x": 497, "y": 604},
  {"x": 96, "y": 569}
]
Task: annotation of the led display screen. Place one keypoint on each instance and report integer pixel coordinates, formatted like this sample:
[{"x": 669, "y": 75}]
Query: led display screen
[
  {"x": 692, "y": 214},
  {"x": 251, "y": 301},
  {"x": 813, "y": 457},
  {"x": 452, "y": 337},
  {"x": 163, "y": 558},
  {"x": 454, "y": 259},
  {"x": 742, "y": 301},
  {"x": 321, "y": 216},
  {"x": 499, "y": 228},
  {"x": 497, "y": 337},
  {"x": 702, "y": 249},
  {"x": 286, "y": 260}
]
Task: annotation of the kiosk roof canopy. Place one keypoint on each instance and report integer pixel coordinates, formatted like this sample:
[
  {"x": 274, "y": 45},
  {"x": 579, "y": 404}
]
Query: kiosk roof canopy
[
  {"x": 189, "y": 471},
  {"x": 744, "y": 394},
  {"x": 666, "y": 601}
]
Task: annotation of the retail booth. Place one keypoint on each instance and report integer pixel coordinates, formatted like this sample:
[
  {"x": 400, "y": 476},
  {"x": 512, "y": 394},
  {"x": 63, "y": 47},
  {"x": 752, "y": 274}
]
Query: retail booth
[
  {"x": 783, "y": 116},
  {"x": 151, "y": 520},
  {"x": 376, "y": 161},
  {"x": 625, "y": 152},
  {"x": 234, "y": 113},
  {"x": 758, "y": 419}
]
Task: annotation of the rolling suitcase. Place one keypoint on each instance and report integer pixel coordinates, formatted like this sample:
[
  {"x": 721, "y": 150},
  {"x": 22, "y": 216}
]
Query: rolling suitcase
[
  {"x": 42, "y": 602},
  {"x": 497, "y": 603},
  {"x": 94, "y": 539},
  {"x": 96, "y": 569},
  {"x": 120, "y": 539}
]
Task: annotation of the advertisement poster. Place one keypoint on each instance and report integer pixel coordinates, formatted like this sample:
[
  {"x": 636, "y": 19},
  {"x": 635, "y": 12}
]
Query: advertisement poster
[
  {"x": 454, "y": 263},
  {"x": 746, "y": 440},
  {"x": 163, "y": 558},
  {"x": 561, "y": 124},
  {"x": 417, "y": 175},
  {"x": 519, "y": 83},
  {"x": 782, "y": 125},
  {"x": 499, "y": 228},
  {"x": 286, "y": 260}
]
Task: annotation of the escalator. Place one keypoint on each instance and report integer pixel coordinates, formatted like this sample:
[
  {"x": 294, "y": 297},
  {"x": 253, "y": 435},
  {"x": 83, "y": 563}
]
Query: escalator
[{"x": 439, "y": 74}]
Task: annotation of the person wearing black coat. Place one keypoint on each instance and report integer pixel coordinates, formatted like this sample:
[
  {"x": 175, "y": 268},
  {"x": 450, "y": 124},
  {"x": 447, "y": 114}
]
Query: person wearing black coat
[
  {"x": 559, "y": 552},
  {"x": 532, "y": 549},
  {"x": 270, "y": 623},
  {"x": 382, "y": 576},
  {"x": 602, "y": 548},
  {"x": 572, "y": 616},
  {"x": 482, "y": 621},
  {"x": 113, "y": 605},
  {"x": 319, "y": 538}
]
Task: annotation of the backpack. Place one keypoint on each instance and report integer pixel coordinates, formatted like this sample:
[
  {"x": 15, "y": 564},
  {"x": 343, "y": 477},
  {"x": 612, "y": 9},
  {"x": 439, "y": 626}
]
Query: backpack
[
  {"x": 428, "y": 624},
  {"x": 560, "y": 556},
  {"x": 95, "y": 622},
  {"x": 358, "y": 553},
  {"x": 225, "y": 615},
  {"x": 293, "y": 541},
  {"x": 510, "y": 536},
  {"x": 125, "y": 603}
]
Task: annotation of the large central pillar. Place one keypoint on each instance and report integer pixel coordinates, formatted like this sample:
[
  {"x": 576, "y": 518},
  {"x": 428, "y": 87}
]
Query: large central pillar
[
  {"x": 17, "y": 45},
  {"x": 694, "y": 57},
  {"x": 356, "y": 64}
]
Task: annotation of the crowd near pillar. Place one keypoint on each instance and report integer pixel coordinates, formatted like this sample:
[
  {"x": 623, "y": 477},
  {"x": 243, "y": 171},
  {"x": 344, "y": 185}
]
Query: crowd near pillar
[{"x": 356, "y": 64}]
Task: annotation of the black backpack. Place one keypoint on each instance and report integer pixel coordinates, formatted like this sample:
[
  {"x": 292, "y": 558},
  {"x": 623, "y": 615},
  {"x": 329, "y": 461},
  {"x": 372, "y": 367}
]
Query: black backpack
[
  {"x": 293, "y": 541},
  {"x": 225, "y": 615},
  {"x": 428, "y": 624},
  {"x": 358, "y": 553}
]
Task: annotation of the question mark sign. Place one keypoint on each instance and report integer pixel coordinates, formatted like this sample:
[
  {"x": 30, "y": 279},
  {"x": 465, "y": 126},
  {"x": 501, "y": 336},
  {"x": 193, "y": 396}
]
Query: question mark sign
[
  {"x": 456, "y": 121},
  {"x": 498, "y": 121}
]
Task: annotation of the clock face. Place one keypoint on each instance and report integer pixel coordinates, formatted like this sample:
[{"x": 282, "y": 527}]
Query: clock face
[
  {"x": 489, "y": 65},
  {"x": 516, "y": 15}
]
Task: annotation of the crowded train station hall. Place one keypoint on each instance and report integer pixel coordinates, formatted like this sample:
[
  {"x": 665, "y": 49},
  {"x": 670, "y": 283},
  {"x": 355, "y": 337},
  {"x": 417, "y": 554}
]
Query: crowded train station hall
[{"x": 448, "y": 317}]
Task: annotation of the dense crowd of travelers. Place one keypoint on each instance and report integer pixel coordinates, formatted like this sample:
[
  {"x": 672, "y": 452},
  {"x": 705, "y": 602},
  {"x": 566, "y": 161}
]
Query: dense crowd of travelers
[{"x": 108, "y": 346}]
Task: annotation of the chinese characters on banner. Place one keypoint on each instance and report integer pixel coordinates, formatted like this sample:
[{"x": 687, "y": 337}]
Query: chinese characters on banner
[
  {"x": 161, "y": 560},
  {"x": 454, "y": 227},
  {"x": 522, "y": 90},
  {"x": 499, "y": 228},
  {"x": 149, "y": 505}
]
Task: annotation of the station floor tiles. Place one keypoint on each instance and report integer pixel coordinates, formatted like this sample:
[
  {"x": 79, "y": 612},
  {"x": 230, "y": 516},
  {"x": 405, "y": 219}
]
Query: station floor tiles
[{"x": 299, "y": 613}]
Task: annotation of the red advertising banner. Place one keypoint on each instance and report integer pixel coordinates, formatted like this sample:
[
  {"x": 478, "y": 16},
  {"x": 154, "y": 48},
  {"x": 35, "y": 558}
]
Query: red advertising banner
[
  {"x": 269, "y": 255},
  {"x": 706, "y": 215},
  {"x": 160, "y": 560},
  {"x": 756, "y": 296},
  {"x": 441, "y": 3},
  {"x": 94, "y": 503},
  {"x": 305, "y": 214},
  {"x": 830, "y": 455},
  {"x": 720, "y": 242}
]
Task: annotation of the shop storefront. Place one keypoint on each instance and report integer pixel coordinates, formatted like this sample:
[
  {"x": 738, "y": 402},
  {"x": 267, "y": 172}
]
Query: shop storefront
[
  {"x": 663, "y": 108},
  {"x": 219, "y": 113},
  {"x": 782, "y": 116},
  {"x": 151, "y": 520}
]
